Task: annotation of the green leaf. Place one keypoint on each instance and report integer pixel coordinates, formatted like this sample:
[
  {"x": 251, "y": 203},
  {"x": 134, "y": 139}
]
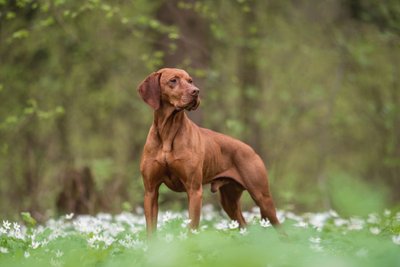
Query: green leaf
[
  {"x": 173, "y": 35},
  {"x": 126, "y": 206},
  {"x": 106, "y": 7},
  {"x": 11, "y": 120},
  {"x": 124, "y": 20},
  {"x": 44, "y": 115},
  {"x": 28, "y": 219},
  {"x": 60, "y": 110},
  {"x": 46, "y": 22},
  {"x": 29, "y": 110},
  {"x": 66, "y": 13},
  {"x": 10, "y": 15},
  {"x": 20, "y": 34},
  {"x": 59, "y": 2},
  {"x": 155, "y": 24}
]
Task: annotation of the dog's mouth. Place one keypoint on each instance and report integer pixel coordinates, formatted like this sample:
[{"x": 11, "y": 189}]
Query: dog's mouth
[{"x": 192, "y": 105}]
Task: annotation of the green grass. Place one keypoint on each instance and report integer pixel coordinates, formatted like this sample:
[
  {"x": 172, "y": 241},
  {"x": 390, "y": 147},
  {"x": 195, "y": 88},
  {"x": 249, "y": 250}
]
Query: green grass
[{"x": 314, "y": 239}]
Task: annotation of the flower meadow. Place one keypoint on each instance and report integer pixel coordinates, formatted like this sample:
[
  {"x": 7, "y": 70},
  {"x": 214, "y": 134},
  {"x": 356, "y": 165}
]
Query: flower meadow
[{"x": 310, "y": 239}]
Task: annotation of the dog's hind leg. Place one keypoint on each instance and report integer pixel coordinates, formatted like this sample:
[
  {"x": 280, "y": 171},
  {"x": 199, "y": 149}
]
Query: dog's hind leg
[
  {"x": 230, "y": 194},
  {"x": 256, "y": 183},
  {"x": 262, "y": 197}
]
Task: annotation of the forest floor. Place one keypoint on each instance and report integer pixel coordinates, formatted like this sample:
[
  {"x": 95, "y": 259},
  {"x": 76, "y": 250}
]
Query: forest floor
[{"x": 310, "y": 239}]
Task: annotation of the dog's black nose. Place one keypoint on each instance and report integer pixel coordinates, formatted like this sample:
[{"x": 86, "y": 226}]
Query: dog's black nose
[{"x": 195, "y": 92}]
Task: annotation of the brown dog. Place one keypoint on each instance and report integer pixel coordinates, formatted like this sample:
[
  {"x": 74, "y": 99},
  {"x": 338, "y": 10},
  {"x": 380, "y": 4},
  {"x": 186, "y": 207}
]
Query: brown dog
[{"x": 184, "y": 156}]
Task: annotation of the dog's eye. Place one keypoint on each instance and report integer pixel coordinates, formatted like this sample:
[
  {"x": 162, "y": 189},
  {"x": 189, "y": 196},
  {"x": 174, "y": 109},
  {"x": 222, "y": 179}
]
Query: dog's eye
[
  {"x": 190, "y": 81},
  {"x": 173, "y": 80}
]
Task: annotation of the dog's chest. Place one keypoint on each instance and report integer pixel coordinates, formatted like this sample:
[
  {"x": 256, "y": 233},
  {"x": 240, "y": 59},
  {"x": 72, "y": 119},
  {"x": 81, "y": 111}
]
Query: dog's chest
[
  {"x": 169, "y": 158},
  {"x": 172, "y": 165},
  {"x": 165, "y": 157}
]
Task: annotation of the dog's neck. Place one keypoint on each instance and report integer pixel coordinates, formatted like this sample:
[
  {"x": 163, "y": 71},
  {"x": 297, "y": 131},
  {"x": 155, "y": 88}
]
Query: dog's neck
[{"x": 166, "y": 119}]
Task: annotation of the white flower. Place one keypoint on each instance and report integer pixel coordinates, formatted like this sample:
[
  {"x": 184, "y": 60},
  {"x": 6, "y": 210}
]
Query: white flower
[
  {"x": 185, "y": 223},
  {"x": 104, "y": 216},
  {"x": 233, "y": 225},
  {"x": 6, "y": 225},
  {"x": 169, "y": 238},
  {"x": 16, "y": 227},
  {"x": 182, "y": 236},
  {"x": 318, "y": 220},
  {"x": 136, "y": 243},
  {"x": 59, "y": 253},
  {"x": 108, "y": 240},
  {"x": 356, "y": 224},
  {"x": 124, "y": 243},
  {"x": 27, "y": 254},
  {"x": 208, "y": 208},
  {"x": 243, "y": 231},
  {"x": 139, "y": 210},
  {"x": 290, "y": 215},
  {"x": 315, "y": 240},
  {"x": 333, "y": 213},
  {"x": 55, "y": 263},
  {"x": 19, "y": 235},
  {"x": 281, "y": 216},
  {"x": 316, "y": 247},
  {"x": 208, "y": 216},
  {"x": 223, "y": 225},
  {"x": 93, "y": 242},
  {"x": 373, "y": 218},
  {"x": 16, "y": 234},
  {"x": 375, "y": 230},
  {"x": 3, "y": 250},
  {"x": 340, "y": 222},
  {"x": 250, "y": 217},
  {"x": 96, "y": 230},
  {"x": 35, "y": 244},
  {"x": 194, "y": 231},
  {"x": 57, "y": 233},
  {"x": 396, "y": 239},
  {"x": 3, "y": 231},
  {"x": 128, "y": 237},
  {"x": 167, "y": 217},
  {"x": 301, "y": 224},
  {"x": 264, "y": 223},
  {"x": 69, "y": 216},
  {"x": 387, "y": 212}
]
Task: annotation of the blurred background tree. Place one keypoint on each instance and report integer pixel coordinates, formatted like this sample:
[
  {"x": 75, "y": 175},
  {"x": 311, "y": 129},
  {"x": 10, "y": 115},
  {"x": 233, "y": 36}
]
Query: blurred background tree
[{"x": 313, "y": 86}]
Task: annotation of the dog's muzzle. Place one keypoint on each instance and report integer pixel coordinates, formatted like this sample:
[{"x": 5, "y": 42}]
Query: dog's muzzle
[{"x": 194, "y": 104}]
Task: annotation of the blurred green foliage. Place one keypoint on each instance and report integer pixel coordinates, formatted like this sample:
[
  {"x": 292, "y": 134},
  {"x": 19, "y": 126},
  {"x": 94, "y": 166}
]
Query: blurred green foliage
[
  {"x": 313, "y": 239},
  {"x": 353, "y": 197},
  {"x": 313, "y": 86}
]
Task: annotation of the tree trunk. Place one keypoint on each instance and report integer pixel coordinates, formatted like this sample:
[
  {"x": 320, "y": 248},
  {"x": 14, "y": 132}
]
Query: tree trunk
[
  {"x": 192, "y": 49},
  {"x": 248, "y": 74}
]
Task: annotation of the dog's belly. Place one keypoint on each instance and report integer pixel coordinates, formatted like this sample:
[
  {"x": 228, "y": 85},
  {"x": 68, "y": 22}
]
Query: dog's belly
[{"x": 174, "y": 183}]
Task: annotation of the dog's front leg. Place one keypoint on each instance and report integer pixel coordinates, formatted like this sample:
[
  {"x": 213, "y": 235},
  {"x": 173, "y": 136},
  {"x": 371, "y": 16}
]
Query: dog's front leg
[
  {"x": 195, "y": 195},
  {"x": 151, "y": 209}
]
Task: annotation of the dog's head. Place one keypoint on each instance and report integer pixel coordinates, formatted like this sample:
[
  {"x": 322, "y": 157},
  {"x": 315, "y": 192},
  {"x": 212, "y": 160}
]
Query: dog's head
[{"x": 171, "y": 87}]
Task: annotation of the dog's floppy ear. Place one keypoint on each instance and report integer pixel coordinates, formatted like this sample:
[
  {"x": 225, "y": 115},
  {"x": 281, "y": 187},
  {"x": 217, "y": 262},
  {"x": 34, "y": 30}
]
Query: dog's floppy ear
[{"x": 149, "y": 90}]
